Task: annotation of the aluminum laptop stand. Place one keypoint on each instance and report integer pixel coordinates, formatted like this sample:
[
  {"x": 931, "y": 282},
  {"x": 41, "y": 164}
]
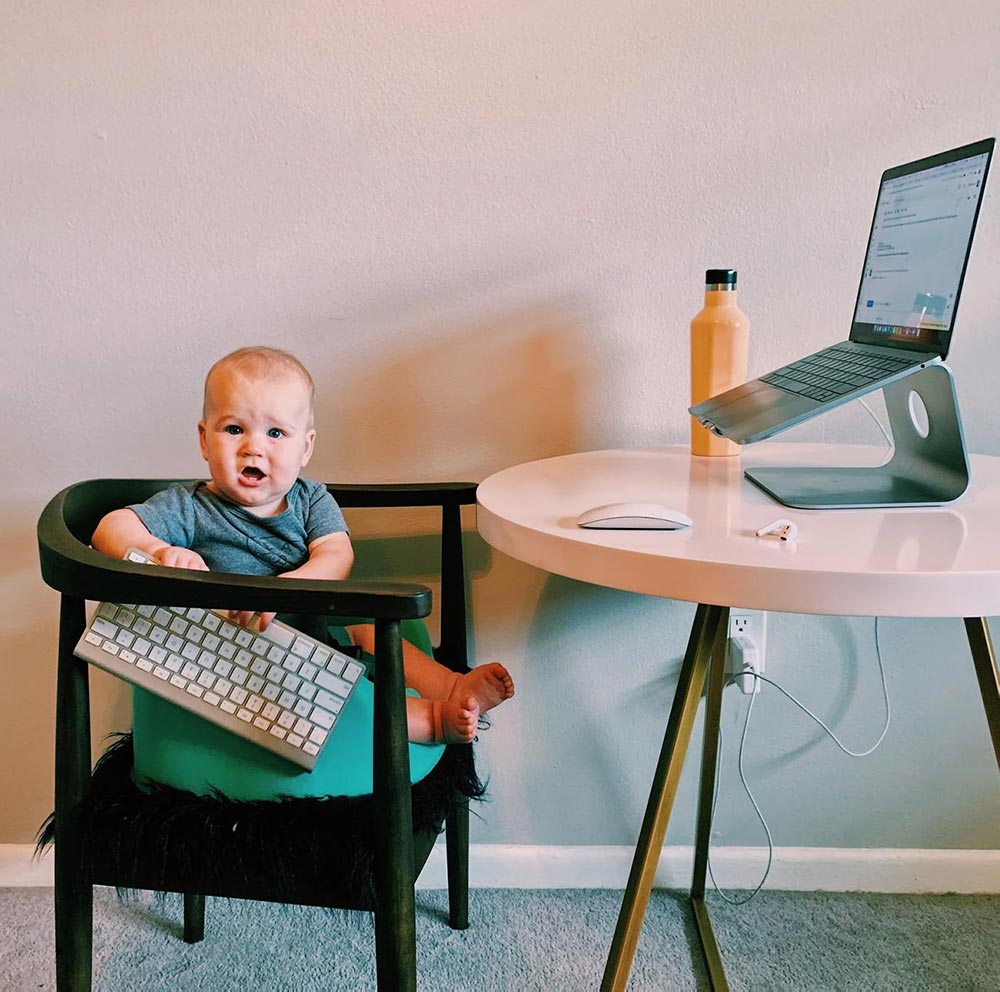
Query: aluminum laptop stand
[{"x": 929, "y": 463}]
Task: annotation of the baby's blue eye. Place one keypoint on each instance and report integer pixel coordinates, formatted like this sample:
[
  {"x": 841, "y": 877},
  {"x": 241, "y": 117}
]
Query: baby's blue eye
[
  {"x": 275, "y": 432},
  {"x": 233, "y": 429}
]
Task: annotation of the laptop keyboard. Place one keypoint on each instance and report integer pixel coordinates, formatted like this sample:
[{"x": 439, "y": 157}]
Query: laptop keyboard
[{"x": 836, "y": 371}]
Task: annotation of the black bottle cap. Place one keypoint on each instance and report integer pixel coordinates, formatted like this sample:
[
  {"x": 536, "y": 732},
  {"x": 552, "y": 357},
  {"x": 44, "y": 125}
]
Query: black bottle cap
[{"x": 726, "y": 277}]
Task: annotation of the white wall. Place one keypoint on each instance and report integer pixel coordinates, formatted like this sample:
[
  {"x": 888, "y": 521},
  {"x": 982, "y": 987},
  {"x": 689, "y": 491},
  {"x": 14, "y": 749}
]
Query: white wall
[{"x": 484, "y": 227}]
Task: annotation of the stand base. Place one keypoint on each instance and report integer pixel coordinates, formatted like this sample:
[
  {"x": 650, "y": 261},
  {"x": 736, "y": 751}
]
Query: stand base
[{"x": 929, "y": 465}]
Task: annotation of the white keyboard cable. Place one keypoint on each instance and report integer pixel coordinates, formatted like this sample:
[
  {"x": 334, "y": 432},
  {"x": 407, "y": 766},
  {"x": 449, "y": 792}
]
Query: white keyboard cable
[
  {"x": 746, "y": 726},
  {"x": 875, "y": 417}
]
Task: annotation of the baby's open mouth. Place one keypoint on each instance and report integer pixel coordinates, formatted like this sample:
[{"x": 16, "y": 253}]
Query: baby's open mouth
[{"x": 252, "y": 472}]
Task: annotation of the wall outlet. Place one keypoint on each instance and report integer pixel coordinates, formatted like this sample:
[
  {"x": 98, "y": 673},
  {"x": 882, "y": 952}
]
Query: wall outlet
[{"x": 751, "y": 624}]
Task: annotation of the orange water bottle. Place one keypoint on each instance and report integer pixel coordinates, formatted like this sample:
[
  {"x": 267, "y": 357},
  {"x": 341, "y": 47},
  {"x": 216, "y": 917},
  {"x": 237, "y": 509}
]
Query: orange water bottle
[{"x": 720, "y": 337}]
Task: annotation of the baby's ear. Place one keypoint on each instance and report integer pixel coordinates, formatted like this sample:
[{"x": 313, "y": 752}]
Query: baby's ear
[
  {"x": 310, "y": 444},
  {"x": 201, "y": 439}
]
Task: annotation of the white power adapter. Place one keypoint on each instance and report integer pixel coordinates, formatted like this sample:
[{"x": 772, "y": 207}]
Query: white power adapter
[{"x": 744, "y": 662}]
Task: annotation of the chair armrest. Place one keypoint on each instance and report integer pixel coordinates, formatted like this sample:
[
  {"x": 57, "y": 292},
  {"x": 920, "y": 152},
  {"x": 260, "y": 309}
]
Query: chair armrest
[{"x": 74, "y": 569}]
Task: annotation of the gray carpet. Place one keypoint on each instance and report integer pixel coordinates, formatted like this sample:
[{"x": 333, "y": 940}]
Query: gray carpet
[{"x": 523, "y": 941}]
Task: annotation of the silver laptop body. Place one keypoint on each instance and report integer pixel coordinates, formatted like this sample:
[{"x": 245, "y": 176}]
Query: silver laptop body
[{"x": 918, "y": 251}]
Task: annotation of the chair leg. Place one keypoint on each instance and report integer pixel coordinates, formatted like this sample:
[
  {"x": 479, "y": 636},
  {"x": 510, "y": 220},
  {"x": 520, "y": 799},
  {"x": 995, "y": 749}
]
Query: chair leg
[
  {"x": 457, "y": 841},
  {"x": 395, "y": 913},
  {"x": 194, "y": 917},
  {"x": 74, "y": 894}
]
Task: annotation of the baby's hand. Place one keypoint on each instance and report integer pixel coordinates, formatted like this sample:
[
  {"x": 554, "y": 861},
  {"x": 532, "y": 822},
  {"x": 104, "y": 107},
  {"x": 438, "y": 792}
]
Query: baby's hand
[
  {"x": 247, "y": 618},
  {"x": 179, "y": 558}
]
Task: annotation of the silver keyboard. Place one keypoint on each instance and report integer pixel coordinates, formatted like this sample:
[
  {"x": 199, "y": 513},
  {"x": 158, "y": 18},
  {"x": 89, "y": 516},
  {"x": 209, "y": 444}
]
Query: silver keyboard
[{"x": 278, "y": 688}]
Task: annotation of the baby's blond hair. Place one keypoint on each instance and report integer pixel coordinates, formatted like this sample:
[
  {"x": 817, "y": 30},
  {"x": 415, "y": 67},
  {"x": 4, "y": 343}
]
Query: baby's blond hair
[{"x": 261, "y": 362}]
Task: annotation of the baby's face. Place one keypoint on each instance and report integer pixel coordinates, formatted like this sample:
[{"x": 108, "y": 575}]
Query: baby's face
[{"x": 256, "y": 438}]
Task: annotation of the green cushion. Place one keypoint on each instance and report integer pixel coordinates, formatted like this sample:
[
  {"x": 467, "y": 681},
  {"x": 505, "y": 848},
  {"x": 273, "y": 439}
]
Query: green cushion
[{"x": 176, "y": 748}]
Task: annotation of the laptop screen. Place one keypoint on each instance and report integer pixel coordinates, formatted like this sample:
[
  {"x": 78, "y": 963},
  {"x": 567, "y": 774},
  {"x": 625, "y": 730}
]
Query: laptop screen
[{"x": 921, "y": 235}]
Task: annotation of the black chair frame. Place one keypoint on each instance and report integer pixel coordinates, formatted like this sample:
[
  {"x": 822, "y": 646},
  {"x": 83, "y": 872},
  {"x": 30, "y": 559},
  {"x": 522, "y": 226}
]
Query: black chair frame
[{"x": 79, "y": 574}]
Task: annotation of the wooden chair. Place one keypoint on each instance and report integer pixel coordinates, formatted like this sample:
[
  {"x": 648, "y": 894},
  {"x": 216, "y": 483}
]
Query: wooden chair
[{"x": 399, "y": 853}]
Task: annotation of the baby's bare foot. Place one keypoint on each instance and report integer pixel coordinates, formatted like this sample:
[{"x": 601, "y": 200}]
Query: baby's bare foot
[
  {"x": 488, "y": 684},
  {"x": 456, "y": 720}
]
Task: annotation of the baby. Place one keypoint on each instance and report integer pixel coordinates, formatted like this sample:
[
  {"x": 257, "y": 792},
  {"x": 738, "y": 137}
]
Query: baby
[{"x": 258, "y": 516}]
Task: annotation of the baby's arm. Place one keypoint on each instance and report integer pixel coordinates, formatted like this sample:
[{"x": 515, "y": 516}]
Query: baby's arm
[
  {"x": 330, "y": 557},
  {"x": 122, "y": 529}
]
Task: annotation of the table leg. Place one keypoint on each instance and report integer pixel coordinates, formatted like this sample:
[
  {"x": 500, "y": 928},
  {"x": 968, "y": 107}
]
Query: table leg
[
  {"x": 986, "y": 671},
  {"x": 706, "y": 799},
  {"x": 709, "y": 624}
]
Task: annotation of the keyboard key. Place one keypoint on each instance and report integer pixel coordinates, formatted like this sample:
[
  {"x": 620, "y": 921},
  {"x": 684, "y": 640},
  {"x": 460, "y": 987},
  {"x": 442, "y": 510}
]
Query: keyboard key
[
  {"x": 223, "y": 668},
  {"x": 212, "y": 699},
  {"x": 125, "y": 619},
  {"x": 302, "y": 647},
  {"x": 212, "y": 621},
  {"x": 239, "y": 695},
  {"x": 286, "y": 720},
  {"x": 321, "y": 718},
  {"x": 222, "y": 687},
  {"x": 190, "y": 651},
  {"x": 270, "y": 711},
  {"x": 303, "y": 727},
  {"x": 310, "y": 748},
  {"x": 146, "y": 666},
  {"x": 278, "y": 732},
  {"x": 329, "y": 702},
  {"x": 271, "y": 691},
  {"x": 308, "y": 670},
  {"x": 157, "y": 655},
  {"x": 302, "y": 708},
  {"x": 321, "y": 655},
  {"x": 110, "y": 647},
  {"x": 292, "y": 663},
  {"x": 174, "y": 643},
  {"x": 259, "y": 666},
  {"x": 294, "y": 740},
  {"x": 353, "y": 671},
  {"x": 278, "y": 635},
  {"x": 254, "y": 703},
  {"x": 179, "y": 626},
  {"x": 206, "y": 679},
  {"x": 178, "y": 681},
  {"x": 336, "y": 664},
  {"x": 163, "y": 617},
  {"x": 190, "y": 671},
  {"x": 195, "y": 634},
  {"x": 307, "y": 690},
  {"x": 107, "y": 610},
  {"x": 175, "y": 663},
  {"x": 255, "y": 683},
  {"x": 227, "y": 706},
  {"x": 127, "y": 656},
  {"x": 91, "y": 638},
  {"x": 292, "y": 682},
  {"x": 318, "y": 735},
  {"x": 158, "y": 635},
  {"x": 336, "y": 685},
  {"x": 227, "y": 649},
  {"x": 195, "y": 690},
  {"x": 244, "y": 658},
  {"x": 276, "y": 655},
  {"x": 245, "y": 715},
  {"x": 141, "y": 626},
  {"x": 125, "y": 638},
  {"x": 228, "y": 631},
  {"x": 286, "y": 699},
  {"x": 244, "y": 638},
  {"x": 211, "y": 642},
  {"x": 239, "y": 675},
  {"x": 196, "y": 613},
  {"x": 142, "y": 646},
  {"x": 261, "y": 724},
  {"x": 162, "y": 674},
  {"x": 260, "y": 646},
  {"x": 207, "y": 660},
  {"x": 104, "y": 627}
]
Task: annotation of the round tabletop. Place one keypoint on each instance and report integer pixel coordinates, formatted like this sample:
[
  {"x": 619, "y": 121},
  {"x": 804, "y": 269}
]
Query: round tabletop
[{"x": 927, "y": 562}]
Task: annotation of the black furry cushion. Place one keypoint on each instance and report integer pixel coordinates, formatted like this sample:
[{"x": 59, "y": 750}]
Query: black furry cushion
[{"x": 314, "y": 851}]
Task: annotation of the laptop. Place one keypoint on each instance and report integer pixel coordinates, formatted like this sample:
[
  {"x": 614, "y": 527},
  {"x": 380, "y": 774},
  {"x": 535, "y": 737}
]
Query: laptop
[{"x": 918, "y": 250}]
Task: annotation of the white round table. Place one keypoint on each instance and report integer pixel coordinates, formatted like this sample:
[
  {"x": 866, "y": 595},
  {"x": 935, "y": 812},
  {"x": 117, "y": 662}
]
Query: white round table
[{"x": 939, "y": 561}]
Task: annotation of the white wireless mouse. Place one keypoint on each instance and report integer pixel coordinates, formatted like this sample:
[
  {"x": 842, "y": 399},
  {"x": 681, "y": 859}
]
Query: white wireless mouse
[{"x": 633, "y": 516}]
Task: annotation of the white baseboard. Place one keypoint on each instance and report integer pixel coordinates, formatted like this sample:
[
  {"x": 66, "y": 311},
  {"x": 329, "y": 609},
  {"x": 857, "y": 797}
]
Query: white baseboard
[{"x": 823, "y": 869}]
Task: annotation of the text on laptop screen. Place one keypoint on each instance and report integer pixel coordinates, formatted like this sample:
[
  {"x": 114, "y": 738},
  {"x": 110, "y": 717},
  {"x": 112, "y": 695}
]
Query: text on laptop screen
[{"x": 919, "y": 245}]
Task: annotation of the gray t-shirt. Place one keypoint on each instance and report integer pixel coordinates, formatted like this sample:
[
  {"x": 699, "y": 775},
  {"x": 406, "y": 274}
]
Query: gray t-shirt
[{"x": 231, "y": 539}]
